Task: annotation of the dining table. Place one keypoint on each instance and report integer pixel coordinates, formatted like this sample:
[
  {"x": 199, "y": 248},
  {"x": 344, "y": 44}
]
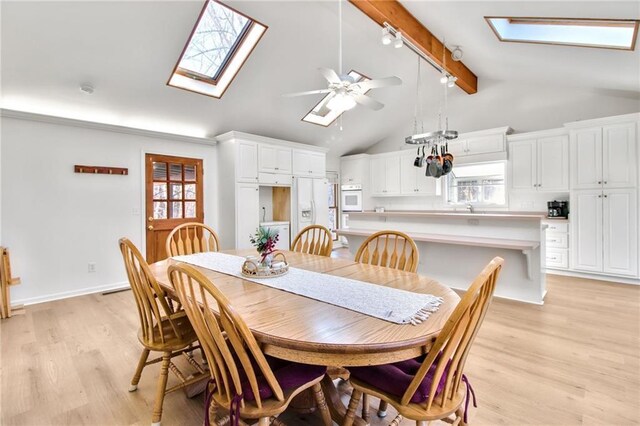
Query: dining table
[{"x": 304, "y": 330}]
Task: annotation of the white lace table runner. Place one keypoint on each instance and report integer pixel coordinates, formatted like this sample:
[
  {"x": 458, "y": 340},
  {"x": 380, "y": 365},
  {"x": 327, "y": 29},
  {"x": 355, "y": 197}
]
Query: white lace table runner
[{"x": 386, "y": 303}]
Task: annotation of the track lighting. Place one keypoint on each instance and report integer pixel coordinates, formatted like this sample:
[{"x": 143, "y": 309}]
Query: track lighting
[
  {"x": 444, "y": 79},
  {"x": 398, "y": 41},
  {"x": 451, "y": 83},
  {"x": 386, "y": 36}
]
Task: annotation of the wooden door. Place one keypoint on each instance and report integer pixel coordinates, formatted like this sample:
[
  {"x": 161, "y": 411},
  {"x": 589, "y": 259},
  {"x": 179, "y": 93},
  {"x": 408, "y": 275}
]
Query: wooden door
[
  {"x": 174, "y": 195},
  {"x": 553, "y": 164}
]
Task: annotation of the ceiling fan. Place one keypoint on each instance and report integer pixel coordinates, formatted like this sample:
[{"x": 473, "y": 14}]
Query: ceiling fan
[{"x": 345, "y": 92}]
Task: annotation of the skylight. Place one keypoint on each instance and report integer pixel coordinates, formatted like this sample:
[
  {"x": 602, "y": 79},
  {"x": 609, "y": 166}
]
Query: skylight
[
  {"x": 324, "y": 116},
  {"x": 220, "y": 43},
  {"x": 604, "y": 33}
]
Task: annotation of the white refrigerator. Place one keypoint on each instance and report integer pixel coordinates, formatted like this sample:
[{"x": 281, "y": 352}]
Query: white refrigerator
[{"x": 310, "y": 203}]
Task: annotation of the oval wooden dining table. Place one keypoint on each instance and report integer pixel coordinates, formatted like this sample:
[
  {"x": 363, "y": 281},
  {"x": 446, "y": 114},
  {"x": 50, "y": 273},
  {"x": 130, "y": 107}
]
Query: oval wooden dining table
[{"x": 300, "y": 329}]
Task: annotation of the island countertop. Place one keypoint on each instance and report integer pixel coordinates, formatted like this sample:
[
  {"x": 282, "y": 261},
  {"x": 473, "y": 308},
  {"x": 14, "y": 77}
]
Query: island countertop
[{"x": 452, "y": 214}]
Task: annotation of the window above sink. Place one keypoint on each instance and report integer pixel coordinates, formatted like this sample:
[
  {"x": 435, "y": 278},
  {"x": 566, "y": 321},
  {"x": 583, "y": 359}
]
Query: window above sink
[{"x": 480, "y": 184}]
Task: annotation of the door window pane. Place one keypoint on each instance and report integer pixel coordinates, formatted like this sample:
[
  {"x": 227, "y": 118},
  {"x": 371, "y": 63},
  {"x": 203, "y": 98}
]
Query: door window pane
[
  {"x": 159, "y": 191},
  {"x": 175, "y": 172},
  {"x": 159, "y": 210},
  {"x": 190, "y": 209},
  {"x": 159, "y": 171},
  {"x": 176, "y": 209},
  {"x": 190, "y": 191},
  {"x": 176, "y": 191},
  {"x": 190, "y": 173}
]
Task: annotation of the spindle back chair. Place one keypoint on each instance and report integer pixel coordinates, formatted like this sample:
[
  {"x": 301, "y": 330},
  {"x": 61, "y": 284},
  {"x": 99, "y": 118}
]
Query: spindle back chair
[
  {"x": 313, "y": 239},
  {"x": 392, "y": 249},
  {"x": 190, "y": 238}
]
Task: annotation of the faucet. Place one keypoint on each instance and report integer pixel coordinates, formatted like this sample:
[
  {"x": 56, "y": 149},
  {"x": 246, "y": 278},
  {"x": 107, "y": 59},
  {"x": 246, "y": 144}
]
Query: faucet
[{"x": 470, "y": 208}]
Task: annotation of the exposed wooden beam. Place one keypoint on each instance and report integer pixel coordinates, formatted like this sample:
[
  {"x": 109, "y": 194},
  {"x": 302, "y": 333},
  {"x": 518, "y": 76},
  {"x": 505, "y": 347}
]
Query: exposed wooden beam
[{"x": 393, "y": 13}]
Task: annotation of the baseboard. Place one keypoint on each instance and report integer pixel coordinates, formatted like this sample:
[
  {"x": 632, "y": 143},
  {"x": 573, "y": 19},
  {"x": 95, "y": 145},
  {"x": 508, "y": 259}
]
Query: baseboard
[
  {"x": 596, "y": 277},
  {"x": 72, "y": 293}
]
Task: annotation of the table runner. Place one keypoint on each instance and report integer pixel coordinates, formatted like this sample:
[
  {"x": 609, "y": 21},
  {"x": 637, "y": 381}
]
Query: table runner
[{"x": 386, "y": 303}]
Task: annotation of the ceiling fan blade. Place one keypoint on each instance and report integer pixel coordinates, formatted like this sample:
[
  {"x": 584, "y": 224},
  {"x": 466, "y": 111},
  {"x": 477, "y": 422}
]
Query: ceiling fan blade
[
  {"x": 330, "y": 75},
  {"x": 310, "y": 92},
  {"x": 367, "y": 101},
  {"x": 379, "y": 82}
]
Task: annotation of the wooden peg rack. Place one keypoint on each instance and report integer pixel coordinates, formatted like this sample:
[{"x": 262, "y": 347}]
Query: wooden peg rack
[{"x": 100, "y": 170}]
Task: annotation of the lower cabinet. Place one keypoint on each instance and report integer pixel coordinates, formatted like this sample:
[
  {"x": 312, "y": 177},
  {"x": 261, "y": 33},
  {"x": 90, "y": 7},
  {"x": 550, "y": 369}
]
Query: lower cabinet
[
  {"x": 557, "y": 247},
  {"x": 247, "y": 213},
  {"x": 605, "y": 231}
]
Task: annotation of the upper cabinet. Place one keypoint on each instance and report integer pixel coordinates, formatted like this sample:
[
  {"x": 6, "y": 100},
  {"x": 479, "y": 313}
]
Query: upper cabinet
[
  {"x": 539, "y": 163},
  {"x": 476, "y": 145},
  {"x": 604, "y": 156},
  {"x": 309, "y": 163},
  {"x": 274, "y": 159},
  {"x": 413, "y": 180},
  {"x": 247, "y": 164},
  {"x": 385, "y": 174},
  {"x": 354, "y": 170}
]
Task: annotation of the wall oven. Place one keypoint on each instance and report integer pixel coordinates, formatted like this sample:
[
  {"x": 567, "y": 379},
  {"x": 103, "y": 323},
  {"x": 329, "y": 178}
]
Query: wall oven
[{"x": 351, "y": 196}]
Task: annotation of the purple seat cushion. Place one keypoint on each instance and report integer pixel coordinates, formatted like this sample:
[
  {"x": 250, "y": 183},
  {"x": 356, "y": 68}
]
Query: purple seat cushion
[
  {"x": 395, "y": 378},
  {"x": 289, "y": 375}
]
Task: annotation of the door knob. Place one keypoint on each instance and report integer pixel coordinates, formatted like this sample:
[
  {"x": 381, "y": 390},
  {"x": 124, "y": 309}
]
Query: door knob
[
  {"x": 150, "y": 227},
  {"x": 150, "y": 219}
]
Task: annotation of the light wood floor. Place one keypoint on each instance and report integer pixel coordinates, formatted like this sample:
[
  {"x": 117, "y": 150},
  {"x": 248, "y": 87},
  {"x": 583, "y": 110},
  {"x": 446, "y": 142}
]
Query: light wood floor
[{"x": 573, "y": 361}]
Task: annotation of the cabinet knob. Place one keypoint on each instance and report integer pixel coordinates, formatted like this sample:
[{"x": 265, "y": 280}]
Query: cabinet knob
[
  {"x": 599, "y": 196},
  {"x": 605, "y": 196},
  {"x": 599, "y": 182},
  {"x": 605, "y": 182}
]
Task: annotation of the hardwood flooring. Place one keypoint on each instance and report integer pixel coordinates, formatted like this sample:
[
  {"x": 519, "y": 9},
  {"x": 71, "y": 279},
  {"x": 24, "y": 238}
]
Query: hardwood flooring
[{"x": 573, "y": 361}]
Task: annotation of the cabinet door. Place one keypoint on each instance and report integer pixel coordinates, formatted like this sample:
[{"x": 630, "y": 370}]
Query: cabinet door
[
  {"x": 553, "y": 164},
  {"x": 586, "y": 232},
  {"x": 408, "y": 173},
  {"x": 378, "y": 176},
  {"x": 620, "y": 232},
  {"x": 619, "y": 156},
  {"x": 485, "y": 144},
  {"x": 247, "y": 166},
  {"x": 301, "y": 163},
  {"x": 351, "y": 172},
  {"x": 522, "y": 162},
  {"x": 426, "y": 185},
  {"x": 283, "y": 160},
  {"x": 247, "y": 213},
  {"x": 458, "y": 147},
  {"x": 267, "y": 158},
  {"x": 586, "y": 158},
  {"x": 392, "y": 178},
  {"x": 317, "y": 164}
]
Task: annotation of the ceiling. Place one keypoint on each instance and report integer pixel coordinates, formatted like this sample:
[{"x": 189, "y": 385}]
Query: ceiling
[{"x": 127, "y": 51}]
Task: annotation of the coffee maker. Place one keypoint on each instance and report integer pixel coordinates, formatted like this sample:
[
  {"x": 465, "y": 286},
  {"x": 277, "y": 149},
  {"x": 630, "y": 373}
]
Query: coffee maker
[{"x": 558, "y": 209}]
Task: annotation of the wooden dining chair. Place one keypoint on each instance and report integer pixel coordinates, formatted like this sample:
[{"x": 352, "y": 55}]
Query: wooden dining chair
[
  {"x": 190, "y": 238},
  {"x": 429, "y": 387},
  {"x": 244, "y": 381},
  {"x": 162, "y": 329},
  {"x": 314, "y": 239},
  {"x": 392, "y": 249}
]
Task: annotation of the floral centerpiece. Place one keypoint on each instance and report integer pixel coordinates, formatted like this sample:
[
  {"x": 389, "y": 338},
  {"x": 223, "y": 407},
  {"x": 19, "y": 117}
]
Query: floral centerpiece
[{"x": 265, "y": 241}]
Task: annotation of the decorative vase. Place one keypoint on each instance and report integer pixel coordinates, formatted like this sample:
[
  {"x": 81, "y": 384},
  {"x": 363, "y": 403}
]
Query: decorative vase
[{"x": 268, "y": 259}]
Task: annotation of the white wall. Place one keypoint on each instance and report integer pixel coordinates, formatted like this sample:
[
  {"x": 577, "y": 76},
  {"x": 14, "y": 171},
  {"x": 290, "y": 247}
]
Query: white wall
[{"x": 56, "y": 221}]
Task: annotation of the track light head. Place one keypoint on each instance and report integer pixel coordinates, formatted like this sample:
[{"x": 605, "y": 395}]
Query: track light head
[
  {"x": 386, "y": 36},
  {"x": 398, "y": 41}
]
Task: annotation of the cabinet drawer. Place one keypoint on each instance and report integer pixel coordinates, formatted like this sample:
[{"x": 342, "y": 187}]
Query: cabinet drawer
[
  {"x": 557, "y": 240},
  {"x": 557, "y": 258},
  {"x": 557, "y": 227},
  {"x": 274, "y": 179}
]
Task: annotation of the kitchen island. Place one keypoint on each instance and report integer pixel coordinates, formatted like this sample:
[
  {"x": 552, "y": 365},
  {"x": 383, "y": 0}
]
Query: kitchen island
[{"x": 455, "y": 246}]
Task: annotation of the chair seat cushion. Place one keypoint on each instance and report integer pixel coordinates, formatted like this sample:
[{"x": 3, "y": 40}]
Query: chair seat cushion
[
  {"x": 395, "y": 378},
  {"x": 290, "y": 375}
]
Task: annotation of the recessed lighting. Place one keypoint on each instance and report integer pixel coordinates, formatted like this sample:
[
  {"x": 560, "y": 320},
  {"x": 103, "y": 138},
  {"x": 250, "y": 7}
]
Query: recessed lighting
[{"x": 86, "y": 88}]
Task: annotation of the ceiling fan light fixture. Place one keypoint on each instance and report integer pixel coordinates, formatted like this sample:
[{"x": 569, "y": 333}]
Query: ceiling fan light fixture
[
  {"x": 386, "y": 36},
  {"x": 398, "y": 41},
  {"x": 341, "y": 102}
]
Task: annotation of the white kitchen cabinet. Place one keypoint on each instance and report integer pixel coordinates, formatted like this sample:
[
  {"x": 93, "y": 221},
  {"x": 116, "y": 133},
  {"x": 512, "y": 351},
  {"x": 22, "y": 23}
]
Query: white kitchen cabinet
[
  {"x": 247, "y": 162},
  {"x": 586, "y": 230},
  {"x": 385, "y": 175},
  {"x": 604, "y": 157},
  {"x": 620, "y": 228},
  {"x": 284, "y": 234},
  {"x": 274, "y": 159},
  {"x": 354, "y": 170},
  {"x": 605, "y": 231},
  {"x": 477, "y": 145},
  {"x": 309, "y": 163},
  {"x": 540, "y": 164},
  {"x": 412, "y": 179},
  {"x": 247, "y": 212}
]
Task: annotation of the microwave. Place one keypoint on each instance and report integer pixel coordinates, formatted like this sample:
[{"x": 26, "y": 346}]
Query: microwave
[{"x": 351, "y": 197}]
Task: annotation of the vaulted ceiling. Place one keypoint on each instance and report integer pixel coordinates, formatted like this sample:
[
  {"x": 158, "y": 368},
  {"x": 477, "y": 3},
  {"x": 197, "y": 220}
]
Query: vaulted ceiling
[{"x": 127, "y": 51}]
